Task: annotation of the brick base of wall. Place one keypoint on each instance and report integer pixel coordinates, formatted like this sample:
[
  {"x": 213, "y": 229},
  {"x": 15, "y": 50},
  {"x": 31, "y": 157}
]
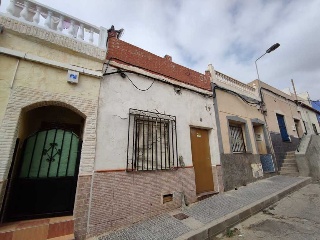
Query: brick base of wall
[{"x": 122, "y": 198}]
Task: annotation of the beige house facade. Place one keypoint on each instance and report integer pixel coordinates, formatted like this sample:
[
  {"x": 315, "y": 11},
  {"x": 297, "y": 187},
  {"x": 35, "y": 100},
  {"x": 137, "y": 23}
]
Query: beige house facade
[
  {"x": 49, "y": 89},
  {"x": 244, "y": 142},
  {"x": 287, "y": 119}
]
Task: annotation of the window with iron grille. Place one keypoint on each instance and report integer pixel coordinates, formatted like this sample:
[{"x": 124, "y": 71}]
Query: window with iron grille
[
  {"x": 152, "y": 141},
  {"x": 237, "y": 139}
]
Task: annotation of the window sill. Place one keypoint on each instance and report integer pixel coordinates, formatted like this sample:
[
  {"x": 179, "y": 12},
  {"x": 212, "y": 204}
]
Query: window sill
[{"x": 242, "y": 152}]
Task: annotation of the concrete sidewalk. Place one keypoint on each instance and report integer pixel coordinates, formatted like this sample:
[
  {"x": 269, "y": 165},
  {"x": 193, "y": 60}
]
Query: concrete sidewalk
[{"x": 207, "y": 218}]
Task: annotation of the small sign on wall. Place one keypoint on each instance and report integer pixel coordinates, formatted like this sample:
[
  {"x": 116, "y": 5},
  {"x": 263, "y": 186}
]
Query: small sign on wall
[
  {"x": 257, "y": 170},
  {"x": 259, "y": 137},
  {"x": 73, "y": 76}
]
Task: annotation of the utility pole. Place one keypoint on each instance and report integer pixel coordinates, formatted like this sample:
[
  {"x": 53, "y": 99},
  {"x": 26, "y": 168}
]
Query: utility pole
[{"x": 294, "y": 89}]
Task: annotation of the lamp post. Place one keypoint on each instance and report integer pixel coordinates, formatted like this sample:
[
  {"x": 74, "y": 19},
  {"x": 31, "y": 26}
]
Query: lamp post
[{"x": 269, "y": 50}]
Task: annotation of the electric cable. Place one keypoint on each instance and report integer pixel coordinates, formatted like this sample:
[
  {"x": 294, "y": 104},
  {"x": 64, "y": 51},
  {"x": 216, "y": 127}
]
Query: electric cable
[
  {"x": 142, "y": 90},
  {"x": 238, "y": 95},
  {"x": 150, "y": 77}
]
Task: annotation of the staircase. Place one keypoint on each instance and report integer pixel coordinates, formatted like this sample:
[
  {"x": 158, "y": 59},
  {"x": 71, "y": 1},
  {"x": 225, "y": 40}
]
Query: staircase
[
  {"x": 61, "y": 228},
  {"x": 289, "y": 165}
]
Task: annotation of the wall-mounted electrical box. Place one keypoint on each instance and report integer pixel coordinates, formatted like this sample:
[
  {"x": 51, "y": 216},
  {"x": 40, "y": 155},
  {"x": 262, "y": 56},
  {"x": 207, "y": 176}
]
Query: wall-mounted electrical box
[{"x": 73, "y": 76}]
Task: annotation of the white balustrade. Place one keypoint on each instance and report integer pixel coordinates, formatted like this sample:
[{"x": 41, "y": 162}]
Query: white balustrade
[
  {"x": 71, "y": 28},
  {"x": 25, "y": 11},
  {"x": 91, "y": 35},
  {"x": 81, "y": 32},
  {"x": 54, "y": 20},
  {"x": 48, "y": 21},
  {"x": 36, "y": 17},
  {"x": 235, "y": 83},
  {"x": 60, "y": 24},
  {"x": 11, "y": 7}
]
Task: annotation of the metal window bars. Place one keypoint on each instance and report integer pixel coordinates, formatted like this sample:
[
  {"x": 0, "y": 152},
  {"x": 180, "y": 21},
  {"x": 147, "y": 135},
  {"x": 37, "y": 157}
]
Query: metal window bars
[
  {"x": 237, "y": 139},
  {"x": 152, "y": 141}
]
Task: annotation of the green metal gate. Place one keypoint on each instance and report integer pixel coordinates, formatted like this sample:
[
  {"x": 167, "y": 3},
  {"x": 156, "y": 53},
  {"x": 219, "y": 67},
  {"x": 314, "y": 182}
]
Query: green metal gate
[{"x": 46, "y": 181}]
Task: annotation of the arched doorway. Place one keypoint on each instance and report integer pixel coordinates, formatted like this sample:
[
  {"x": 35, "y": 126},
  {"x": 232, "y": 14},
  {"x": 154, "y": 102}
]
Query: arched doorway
[{"x": 44, "y": 172}]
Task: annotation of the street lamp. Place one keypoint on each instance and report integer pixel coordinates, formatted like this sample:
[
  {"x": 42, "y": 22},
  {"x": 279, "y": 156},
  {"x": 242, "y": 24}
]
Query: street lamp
[{"x": 269, "y": 50}]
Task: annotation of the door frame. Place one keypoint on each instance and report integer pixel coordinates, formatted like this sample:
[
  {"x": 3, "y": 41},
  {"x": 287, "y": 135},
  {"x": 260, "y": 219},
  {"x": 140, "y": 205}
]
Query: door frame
[{"x": 210, "y": 156}]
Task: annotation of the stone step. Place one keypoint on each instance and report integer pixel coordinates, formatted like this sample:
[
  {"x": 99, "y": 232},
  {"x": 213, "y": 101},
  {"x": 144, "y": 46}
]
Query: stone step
[
  {"x": 284, "y": 172},
  {"x": 289, "y": 164},
  {"x": 46, "y": 228},
  {"x": 65, "y": 237},
  {"x": 293, "y": 174},
  {"x": 293, "y": 161},
  {"x": 293, "y": 169},
  {"x": 290, "y": 157},
  {"x": 291, "y": 152}
]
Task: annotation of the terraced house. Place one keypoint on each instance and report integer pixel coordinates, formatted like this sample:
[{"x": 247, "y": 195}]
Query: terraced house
[
  {"x": 246, "y": 152},
  {"x": 156, "y": 138},
  {"x": 289, "y": 118},
  {"x": 97, "y": 134},
  {"x": 50, "y": 78}
]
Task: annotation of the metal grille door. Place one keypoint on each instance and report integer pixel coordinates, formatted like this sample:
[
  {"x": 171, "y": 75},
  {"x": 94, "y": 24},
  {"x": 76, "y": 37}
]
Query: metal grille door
[
  {"x": 46, "y": 181},
  {"x": 237, "y": 140}
]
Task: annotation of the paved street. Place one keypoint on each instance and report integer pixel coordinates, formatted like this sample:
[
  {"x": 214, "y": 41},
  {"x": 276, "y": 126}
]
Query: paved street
[{"x": 297, "y": 216}]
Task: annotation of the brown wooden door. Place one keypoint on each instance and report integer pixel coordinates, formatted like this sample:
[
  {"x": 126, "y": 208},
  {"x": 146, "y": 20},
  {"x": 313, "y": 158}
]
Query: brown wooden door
[{"x": 201, "y": 160}]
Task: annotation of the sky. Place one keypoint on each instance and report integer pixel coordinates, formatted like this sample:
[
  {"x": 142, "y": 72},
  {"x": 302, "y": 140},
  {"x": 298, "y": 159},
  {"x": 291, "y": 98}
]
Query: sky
[{"x": 229, "y": 34}]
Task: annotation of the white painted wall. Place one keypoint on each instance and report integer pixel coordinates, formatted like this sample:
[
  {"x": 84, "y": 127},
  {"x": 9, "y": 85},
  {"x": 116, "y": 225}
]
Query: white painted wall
[
  {"x": 310, "y": 118},
  {"x": 117, "y": 95}
]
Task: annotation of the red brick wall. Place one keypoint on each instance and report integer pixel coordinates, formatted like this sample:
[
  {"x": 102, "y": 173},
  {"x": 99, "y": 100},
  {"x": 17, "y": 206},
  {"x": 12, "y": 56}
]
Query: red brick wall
[
  {"x": 122, "y": 198},
  {"x": 163, "y": 66}
]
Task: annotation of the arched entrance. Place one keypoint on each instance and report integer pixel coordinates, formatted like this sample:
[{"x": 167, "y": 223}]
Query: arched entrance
[{"x": 44, "y": 172}]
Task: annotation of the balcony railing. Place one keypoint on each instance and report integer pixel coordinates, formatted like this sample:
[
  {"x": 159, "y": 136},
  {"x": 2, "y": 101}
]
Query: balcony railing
[
  {"x": 54, "y": 20},
  {"x": 235, "y": 83}
]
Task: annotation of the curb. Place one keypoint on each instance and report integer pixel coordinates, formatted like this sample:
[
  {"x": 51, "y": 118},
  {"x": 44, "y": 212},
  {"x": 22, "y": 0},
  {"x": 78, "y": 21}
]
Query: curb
[{"x": 215, "y": 227}]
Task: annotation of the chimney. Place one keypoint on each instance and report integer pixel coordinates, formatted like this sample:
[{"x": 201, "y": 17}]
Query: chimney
[
  {"x": 167, "y": 57},
  {"x": 115, "y": 33}
]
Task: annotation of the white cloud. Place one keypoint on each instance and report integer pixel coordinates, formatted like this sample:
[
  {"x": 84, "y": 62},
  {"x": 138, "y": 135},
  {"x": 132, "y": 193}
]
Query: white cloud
[{"x": 230, "y": 34}]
